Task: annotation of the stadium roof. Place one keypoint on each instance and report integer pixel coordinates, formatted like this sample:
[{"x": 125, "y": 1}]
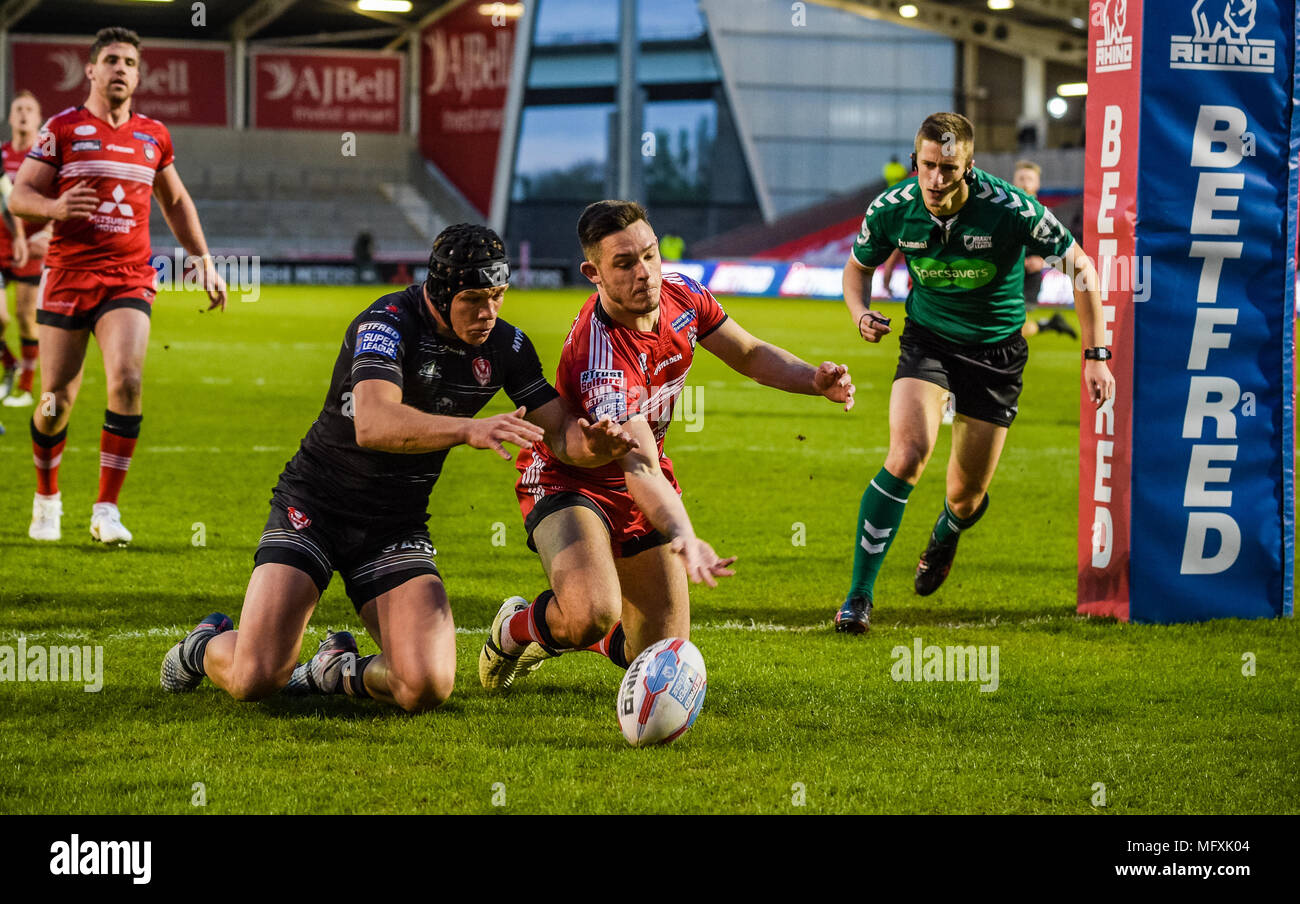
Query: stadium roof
[
  {"x": 1057, "y": 27},
  {"x": 1053, "y": 29},
  {"x": 283, "y": 21}
]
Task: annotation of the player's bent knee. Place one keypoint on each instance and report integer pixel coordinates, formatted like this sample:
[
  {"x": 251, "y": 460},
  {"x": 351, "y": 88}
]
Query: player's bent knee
[
  {"x": 907, "y": 462},
  {"x": 251, "y": 685},
  {"x": 966, "y": 502},
  {"x": 125, "y": 389},
  {"x": 423, "y": 696},
  {"x": 586, "y": 619}
]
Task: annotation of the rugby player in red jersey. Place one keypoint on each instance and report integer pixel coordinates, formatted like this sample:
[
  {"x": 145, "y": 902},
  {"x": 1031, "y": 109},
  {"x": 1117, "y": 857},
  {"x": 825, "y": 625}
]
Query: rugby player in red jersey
[
  {"x": 616, "y": 542},
  {"x": 92, "y": 171},
  {"x": 22, "y": 252}
]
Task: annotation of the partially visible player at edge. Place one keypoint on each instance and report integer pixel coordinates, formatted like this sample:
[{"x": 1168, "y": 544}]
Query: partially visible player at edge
[
  {"x": 92, "y": 171},
  {"x": 1028, "y": 177},
  {"x": 616, "y": 543},
  {"x": 8, "y": 219},
  {"x": 22, "y": 253},
  {"x": 414, "y": 369},
  {"x": 964, "y": 234}
]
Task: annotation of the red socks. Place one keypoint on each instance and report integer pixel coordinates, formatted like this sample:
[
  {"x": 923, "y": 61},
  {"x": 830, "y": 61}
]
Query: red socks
[
  {"x": 529, "y": 626},
  {"x": 47, "y": 451},
  {"x": 116, "y": 445},
  {"x": 27, "y": 369}
]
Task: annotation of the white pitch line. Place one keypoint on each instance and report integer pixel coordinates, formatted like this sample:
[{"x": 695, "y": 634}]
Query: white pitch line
[
  {"x": 167, "y": 450},
  {"x": 178, "y": 631}
]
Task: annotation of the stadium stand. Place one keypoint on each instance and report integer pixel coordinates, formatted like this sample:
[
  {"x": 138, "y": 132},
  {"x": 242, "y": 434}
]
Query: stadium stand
[
  {"x": 821, "y": 233},
  {"x": 285, "y": 194}
]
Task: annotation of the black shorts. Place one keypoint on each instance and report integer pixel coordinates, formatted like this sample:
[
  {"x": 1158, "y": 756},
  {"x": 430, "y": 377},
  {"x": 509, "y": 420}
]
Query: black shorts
[
  {"x": 11, "y": 277},
  {"x": 373, "y": 559},
  {"x": 985, "y": 379},
  {"x": 622, "y": 549}
]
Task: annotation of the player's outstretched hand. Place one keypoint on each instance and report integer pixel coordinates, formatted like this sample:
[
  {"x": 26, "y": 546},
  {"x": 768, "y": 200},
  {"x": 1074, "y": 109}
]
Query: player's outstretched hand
[
  {"x": 20, "y": 251},
  {"x": 77, "y": 203},
  {"x": 873, "y": 327},
  {"x": 702, "y": 563},
  {"x": 607, "y": 439},
  {"x": 491, "y": 432},
  {"x": 1101, "y": 385},
  {"x": 833, "y": 381},
  {"x": 214, "y": 285}
]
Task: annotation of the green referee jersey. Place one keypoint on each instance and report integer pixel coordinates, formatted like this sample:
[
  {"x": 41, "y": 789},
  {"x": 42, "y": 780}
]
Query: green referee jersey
[{"x": 968, "y": 270}]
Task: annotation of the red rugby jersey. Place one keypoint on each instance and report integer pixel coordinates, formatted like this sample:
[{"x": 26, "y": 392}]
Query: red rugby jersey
[
  {"x": 609, "y": 369},
  {"x": 120, "y": 165},
  {"x": 12, "y": 158}
]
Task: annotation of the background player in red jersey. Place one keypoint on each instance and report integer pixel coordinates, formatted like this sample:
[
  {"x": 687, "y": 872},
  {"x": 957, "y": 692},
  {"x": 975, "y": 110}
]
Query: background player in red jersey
[
  {"x": 22, "y": 253},
  {"x": 92, "y": 171},
  {"x": 616, "y": 542}
]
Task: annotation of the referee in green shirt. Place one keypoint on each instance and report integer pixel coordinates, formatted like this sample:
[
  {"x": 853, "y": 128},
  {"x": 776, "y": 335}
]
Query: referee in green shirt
[{"x": 964, "y": 234}]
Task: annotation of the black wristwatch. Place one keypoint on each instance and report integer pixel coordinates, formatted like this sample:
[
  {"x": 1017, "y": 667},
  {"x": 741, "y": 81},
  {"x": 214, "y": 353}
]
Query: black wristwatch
[{"x": 1101, "y": 353}]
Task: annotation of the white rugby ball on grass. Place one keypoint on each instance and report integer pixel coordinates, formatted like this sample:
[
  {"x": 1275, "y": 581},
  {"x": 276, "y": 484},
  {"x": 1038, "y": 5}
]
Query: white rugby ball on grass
[{"x": 661, "y": 693}]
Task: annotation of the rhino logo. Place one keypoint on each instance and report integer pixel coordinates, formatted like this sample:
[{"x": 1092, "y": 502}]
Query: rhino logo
[
  {"x": 1110, "y": 16},
  {"x": 1220, "y": 40},
  {"x": 1226, "y": 20}
]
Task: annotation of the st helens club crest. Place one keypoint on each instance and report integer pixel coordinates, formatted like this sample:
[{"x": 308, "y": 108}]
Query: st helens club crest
[
  {"x": 483, "y": 371},
  {"x": 298, "y": 519}
]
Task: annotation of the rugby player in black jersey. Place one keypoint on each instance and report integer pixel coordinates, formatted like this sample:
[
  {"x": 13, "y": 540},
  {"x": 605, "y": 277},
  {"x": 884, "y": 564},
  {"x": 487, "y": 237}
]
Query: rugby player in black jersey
[{"x": 415, "y": 368}]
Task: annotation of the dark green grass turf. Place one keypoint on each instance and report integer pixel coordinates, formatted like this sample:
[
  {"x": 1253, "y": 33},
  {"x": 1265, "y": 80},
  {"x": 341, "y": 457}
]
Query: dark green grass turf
[{"x": 1162, "y": 716}]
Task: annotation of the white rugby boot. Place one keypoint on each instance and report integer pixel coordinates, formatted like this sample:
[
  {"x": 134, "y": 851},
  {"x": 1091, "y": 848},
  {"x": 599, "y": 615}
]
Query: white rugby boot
[
  {"x": 106, "y": 524},
  {"x": 497, "y": 669},
  {"x": 47, "y": 512}
]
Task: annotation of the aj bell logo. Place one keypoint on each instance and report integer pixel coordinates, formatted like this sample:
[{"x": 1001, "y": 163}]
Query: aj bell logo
[
  {"x": 116, "y": 204},
  {"x": 1114, "y": 50},
  {"x": 1220, "y": 40}
]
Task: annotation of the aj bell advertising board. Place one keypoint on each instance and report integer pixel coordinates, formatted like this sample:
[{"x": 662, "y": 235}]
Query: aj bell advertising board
[{"x": 1187, "y": 493}]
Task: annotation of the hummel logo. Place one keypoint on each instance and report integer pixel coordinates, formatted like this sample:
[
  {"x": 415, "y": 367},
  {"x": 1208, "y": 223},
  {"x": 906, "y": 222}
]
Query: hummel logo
[
  {"x": 116, "y": 204},
  {"x": 876, "y": 532}
]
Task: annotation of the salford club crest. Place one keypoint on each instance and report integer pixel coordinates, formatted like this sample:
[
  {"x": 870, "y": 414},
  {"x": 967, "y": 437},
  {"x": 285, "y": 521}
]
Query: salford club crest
[{"x": 482, "y": 371}]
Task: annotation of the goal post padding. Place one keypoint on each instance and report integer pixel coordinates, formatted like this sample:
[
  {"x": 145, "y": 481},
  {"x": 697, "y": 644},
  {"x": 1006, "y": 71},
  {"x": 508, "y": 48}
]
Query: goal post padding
[{"x": 1186, "y": 489}]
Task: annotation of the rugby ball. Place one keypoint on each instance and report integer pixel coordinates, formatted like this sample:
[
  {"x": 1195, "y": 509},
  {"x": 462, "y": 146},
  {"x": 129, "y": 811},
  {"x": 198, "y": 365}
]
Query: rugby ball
[{"x": 661, "y": 693}]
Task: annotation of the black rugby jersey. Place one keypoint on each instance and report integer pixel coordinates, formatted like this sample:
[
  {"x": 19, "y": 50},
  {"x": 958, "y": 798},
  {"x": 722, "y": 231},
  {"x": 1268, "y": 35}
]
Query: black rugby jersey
[{"x": 395, "y": 340}]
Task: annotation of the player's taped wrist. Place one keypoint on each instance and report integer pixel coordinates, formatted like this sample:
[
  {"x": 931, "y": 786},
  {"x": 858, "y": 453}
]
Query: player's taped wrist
[{"x": 875, "y": 318}]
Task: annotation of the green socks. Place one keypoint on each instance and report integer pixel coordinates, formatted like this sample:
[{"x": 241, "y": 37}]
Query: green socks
[
  {"x": 878, "y": 518},
  {"x": 947, "y": 530}
]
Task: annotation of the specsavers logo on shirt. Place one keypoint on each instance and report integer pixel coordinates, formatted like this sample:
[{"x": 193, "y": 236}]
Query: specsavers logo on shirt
[{"x": 963, "y": 273}]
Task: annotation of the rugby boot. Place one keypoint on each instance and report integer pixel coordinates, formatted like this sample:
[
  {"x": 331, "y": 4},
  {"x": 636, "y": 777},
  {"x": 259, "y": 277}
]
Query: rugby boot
[
  {"x": 854, "y": 616},
  {"x": 497, "y": 669},
  {"x": 178, "y": 676},
  {"x": 324, "y": 672},
  {"x": 934, "y": 565}
]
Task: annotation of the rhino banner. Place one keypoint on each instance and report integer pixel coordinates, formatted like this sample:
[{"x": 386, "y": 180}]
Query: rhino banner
[{"x": 1186, "y": 491}]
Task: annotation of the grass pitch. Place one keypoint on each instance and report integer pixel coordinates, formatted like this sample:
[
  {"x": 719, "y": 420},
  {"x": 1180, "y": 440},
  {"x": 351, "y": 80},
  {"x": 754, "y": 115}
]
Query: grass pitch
[{"x": 797, "y": 719}]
